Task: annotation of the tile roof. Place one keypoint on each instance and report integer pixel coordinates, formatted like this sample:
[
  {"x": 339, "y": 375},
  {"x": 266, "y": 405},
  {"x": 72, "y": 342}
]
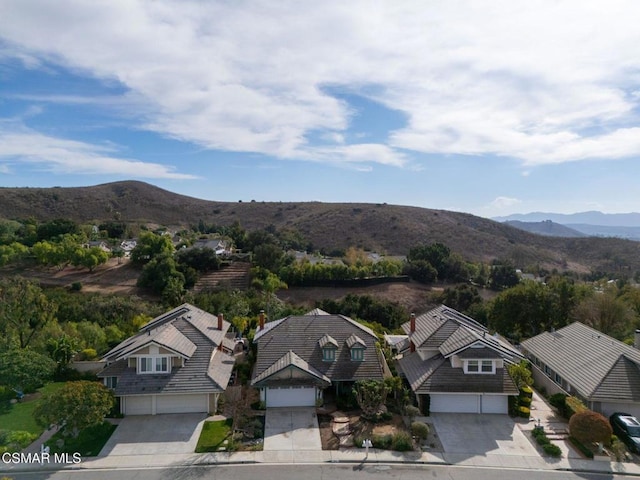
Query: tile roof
[
  {"x": 301, "y": 334},
  {"x": 597, "y": 366},
  {"x": 355, "y": 340},
  {"x": 327, "y": 340},
  {"x": 436, "y": 375},
  {"x": 450, "y": 333},
  {"x": 288, "y": 360},
  {"x": 185, "y": 329}
]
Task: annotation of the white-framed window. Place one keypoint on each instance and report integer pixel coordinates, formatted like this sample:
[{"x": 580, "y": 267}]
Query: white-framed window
[
  {"x": 328, "y": 354},
  {"x": 111, "y": 382},
  {"x": 357, "y": 354},
  {"x": 479, "y": 366},
  {"x": 153, "y": 364},
  {"x": 472, "y": 366}
]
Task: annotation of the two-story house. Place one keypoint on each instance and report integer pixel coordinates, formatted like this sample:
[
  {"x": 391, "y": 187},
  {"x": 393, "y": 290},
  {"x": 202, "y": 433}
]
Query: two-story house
[
  {"x": 302, "y": 355},
  {"x": 179, "y": 362},
  {"x": 455, "y": 364}
]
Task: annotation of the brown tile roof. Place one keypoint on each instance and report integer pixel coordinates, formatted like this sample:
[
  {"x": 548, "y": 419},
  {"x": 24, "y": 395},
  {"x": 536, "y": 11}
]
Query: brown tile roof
[
  {"x": 302, "y": 334},
  {"x": 289, "y": 360}
]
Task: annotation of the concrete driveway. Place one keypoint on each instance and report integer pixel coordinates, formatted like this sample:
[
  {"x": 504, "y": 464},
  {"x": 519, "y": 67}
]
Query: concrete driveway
[
  {"x": 291, "y": 429},
  {"x": 475, "y": 434},
  {"x": 155, "y": 434}
]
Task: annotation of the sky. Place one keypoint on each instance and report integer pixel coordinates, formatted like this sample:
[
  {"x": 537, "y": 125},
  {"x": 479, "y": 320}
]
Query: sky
[{"x": 490, "y": 108}]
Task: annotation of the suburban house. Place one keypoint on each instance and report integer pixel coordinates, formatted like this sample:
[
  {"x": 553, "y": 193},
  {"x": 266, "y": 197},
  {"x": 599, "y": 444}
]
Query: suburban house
[
  {"x": 179, "y": 362},
  {"x": 453, "y": 364},
  {"x": 217, "y": 245},
  {"x": 579, "y": 360},
  {"x": 301, "y": 356}
]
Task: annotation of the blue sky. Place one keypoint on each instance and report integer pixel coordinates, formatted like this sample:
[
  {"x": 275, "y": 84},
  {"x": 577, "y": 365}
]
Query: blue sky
[{"x": 490, "y": 108}]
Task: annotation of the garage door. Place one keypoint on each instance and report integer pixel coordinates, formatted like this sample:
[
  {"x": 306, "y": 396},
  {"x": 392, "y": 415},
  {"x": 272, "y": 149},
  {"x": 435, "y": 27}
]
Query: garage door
[
  {"x": 455, "y": 403},
  {"x": 182, "y": 403},
  {"x": 291, "y": 397},
  {"x": 495, "y": 404},
  {"x": 139, "y": 405}
]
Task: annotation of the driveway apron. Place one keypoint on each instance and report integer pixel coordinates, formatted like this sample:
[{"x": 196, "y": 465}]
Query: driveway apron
[
  {"x": 291, "y": 429},
  {"x": 468, "y": 433},
  {"x": 155, "y": 434}
]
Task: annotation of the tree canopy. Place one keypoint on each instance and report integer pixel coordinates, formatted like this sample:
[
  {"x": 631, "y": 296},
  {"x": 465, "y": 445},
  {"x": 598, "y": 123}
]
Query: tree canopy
[{"x": 24, "y": 369}]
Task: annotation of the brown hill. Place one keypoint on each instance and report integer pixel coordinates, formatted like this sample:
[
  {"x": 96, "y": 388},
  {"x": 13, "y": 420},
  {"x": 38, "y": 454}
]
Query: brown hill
[{"x": 391, "y": 229}]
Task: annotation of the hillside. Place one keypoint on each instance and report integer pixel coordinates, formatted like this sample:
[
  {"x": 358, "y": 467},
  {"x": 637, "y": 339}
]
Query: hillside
[
  {"x": 547, "y": 228},
  {"x": 391, "y": 229}
]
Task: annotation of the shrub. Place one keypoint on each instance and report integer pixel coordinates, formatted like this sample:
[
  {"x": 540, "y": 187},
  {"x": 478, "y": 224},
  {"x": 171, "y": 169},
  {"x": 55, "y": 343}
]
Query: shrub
[
  {"x": 524, "y": 412},
  {"x": 588, "y": 426},
  {"x": 6, "y": 394},
  {"x": 420, "y": 430},
  {"x": 88, "y": 354},
  {"x": 401, "y": 442},
  {"x": 382, "y": 442},
  {"x": 525, "y": 401},
  {"x": 76, "y": 286},
  {"x": 552, "y": 450},
  {"x": 578, "y": 444},
  {"x": 558, "y": 400},
  {"x": 573, "y": 405},
  {"x": 412, "y": 412},
  {"x": 526, "y": 392},
  {"x": 15, "y": 440}
]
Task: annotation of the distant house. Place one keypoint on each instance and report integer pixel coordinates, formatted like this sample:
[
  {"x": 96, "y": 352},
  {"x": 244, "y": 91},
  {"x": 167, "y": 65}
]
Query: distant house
[
  {"x": 581, "y": 361},
  {"x": 453, "y": 364},
  {"x": 217, "y": 245},
  {"x": 127, "y": 246},
  {"x": 179, "y": 362},
  {"x": 301, "y": 356},
  {"x": 101, "y": 244}
]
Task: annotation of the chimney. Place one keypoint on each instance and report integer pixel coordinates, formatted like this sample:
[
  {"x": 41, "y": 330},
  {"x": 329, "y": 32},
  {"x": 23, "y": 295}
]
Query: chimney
[
  {"x": 636, "y": 339},
  {"x": 412, "y": 323},
  {"x": 261, "y": 320},
  {"x": 220, "y": 318}
]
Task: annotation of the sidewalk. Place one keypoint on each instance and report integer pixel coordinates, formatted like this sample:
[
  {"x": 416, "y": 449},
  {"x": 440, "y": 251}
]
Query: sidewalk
[{"x": 332, "y": 456}]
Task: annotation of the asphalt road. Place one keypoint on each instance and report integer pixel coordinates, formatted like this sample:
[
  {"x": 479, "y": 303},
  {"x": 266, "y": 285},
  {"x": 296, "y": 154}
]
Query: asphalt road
[{"x": 313, "y": 472}]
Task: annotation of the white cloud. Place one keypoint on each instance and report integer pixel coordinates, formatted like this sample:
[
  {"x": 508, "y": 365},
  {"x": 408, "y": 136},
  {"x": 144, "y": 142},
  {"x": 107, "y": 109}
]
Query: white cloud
[
  {"x": 504, "y": 202},
  {"x": 72, "y": 157},
  {"x": 544, "y": 82}
]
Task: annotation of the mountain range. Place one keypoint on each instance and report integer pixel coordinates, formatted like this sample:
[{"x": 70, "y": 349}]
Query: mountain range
[
  {"x": 598, "y": 224},
  {"x": 381, "y": 227}
]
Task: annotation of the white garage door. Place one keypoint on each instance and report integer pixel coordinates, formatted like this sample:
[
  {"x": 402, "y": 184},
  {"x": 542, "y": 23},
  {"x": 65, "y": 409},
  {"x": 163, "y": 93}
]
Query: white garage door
[
  {"x": 495, "y": 404},
  {"x": 455, "y": 403},
  {"x": 139, "y": 405},
  {"x": 182, "y": 403},
  {"x": 607, "y": 408},
  {"x": 291, "y": 397}
]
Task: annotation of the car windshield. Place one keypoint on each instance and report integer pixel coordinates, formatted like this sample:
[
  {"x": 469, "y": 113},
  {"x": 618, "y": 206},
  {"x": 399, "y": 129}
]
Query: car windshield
[{"x": 634, "y": 431}]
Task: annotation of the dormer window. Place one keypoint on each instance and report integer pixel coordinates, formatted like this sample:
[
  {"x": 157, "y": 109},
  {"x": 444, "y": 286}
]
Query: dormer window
[
  {"x": 329, "y": 346},
  {"x": 356, "y": 346},
  {"x": 357, "y": 354},
  {"x": 479, "y": 366}
]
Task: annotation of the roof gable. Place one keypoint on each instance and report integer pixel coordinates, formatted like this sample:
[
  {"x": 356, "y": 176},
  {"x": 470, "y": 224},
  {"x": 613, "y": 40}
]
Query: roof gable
[
  {"x": 584, "y": 357},
  {"x": 290, "y": 359}
]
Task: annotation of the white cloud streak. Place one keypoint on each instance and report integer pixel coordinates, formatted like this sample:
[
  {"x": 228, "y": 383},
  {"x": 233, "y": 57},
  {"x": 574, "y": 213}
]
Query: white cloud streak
[
  {"x": 73, "y": 157},
  {"x": 544, "y": 82}
]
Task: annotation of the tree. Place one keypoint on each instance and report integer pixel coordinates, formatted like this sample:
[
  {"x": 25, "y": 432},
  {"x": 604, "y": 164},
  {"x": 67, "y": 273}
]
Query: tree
[
  {"x": 503, "y": 276},
  {"x": 24, "y": 310},
  {"x": 201, "y": 259},
  {"x": 268, "y": 256},
  {"x": 149, "y": 246},
  {"x": 589, "y": 427},
  {"x": 25, "y": 369},
  {"x": 157, "y": 273},
  {"x": 371, "y": 395},
  {"x": 76, "y": 406},
  {"x": 607, "y": 313},
  {"x": 421, "y": 271},
  {"x": 90, "y": 257},
  {"x": 521, "y": 374},
  {"x": 461, "y": 297},
  {"x": 62, "y": 350}
]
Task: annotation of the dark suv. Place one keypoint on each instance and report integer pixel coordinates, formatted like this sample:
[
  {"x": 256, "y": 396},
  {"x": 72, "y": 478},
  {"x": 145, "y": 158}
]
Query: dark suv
[{"x": 627, "y": 428}]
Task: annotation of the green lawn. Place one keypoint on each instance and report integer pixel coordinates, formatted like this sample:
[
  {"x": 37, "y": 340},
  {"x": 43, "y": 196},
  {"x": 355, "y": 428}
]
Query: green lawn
[
  {"x": 20, "y": 415},
  {"x": 88, "y": 443},
  {"x": 213, "y": 435}
]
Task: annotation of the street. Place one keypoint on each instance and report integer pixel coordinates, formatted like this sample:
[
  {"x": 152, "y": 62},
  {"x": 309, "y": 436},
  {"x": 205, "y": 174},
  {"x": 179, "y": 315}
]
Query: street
[{"x": 312, "y": 472}]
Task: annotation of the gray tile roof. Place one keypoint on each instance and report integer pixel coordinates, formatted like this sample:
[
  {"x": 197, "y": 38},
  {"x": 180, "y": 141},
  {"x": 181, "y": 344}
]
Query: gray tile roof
[
  {"x": 301, "y": 334},
  {"x": 597, "y": 366},
  {"x": 327, "y": 340},
  {"x": 453, "y": 333},
  {"x": 436, "y": 375},
  {"x": 206, "y": 369},
  {"x": 288, "y": 360},
  {"x": 355, "y": 340}
]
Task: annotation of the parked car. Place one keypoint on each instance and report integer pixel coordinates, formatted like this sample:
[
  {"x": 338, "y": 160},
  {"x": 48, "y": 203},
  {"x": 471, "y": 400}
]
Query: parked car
[{"x": 627, "y": 429}]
